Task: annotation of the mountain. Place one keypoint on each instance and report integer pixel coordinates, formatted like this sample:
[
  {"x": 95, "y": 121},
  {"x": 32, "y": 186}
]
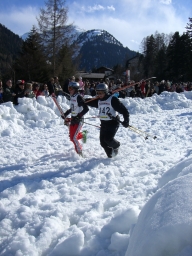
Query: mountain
[
  {"x": 99, "y": 48},
  {"x": 24, "y": 36},
  {"x": 95, "y": 48},
  {"x": 10, "y": 45}
]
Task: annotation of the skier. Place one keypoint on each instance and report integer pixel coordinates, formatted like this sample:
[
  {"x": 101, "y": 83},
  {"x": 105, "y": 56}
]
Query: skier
[
  {"x": 108, "y": 106},
  {"x": 78, "y": 109}
]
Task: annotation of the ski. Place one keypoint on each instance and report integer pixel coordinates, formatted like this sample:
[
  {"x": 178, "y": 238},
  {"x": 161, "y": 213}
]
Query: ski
[
  {"x": 122, "y": 88},
  {"x": 58, "y": 106}
]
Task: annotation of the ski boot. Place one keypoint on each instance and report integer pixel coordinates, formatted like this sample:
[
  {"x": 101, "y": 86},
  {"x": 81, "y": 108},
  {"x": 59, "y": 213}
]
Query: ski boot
[
  {"x": 115, "y": 151},
  {"x": 84, "y": 136}
]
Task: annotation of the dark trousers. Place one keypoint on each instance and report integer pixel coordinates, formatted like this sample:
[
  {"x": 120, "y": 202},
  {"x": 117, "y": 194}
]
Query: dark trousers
[{"x": 107, "y": 134}]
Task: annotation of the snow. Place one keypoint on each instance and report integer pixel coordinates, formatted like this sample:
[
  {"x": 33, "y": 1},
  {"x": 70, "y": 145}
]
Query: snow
[{"x": 54, "y": 202}]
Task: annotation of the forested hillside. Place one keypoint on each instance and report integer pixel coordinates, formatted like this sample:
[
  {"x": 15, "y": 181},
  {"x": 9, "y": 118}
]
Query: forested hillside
[
  {"x": 100, "y": 48},
  {"x": 10, "y": 45}
]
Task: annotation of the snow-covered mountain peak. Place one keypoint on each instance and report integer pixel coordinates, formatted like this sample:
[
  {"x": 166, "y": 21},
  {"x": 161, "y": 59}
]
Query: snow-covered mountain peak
[{"x": 96, "y": 35}]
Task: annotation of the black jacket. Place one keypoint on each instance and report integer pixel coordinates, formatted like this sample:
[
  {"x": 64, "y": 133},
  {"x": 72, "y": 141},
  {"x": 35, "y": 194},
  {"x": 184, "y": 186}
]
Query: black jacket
[
  {"x": 20, "y": 93},
  {"x": 8, "y": 94}
]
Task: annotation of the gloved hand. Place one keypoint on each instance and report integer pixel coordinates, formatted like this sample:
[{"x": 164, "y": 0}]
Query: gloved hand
[
  {"x": 75, "y": 119},
  {"x": 67, "y": 121},
  {"x": 78, "y": 117},
  {"x": 125, "y": 124},
  {"x": 63, "y": 117},
  {"x": 116, "y": 118},
  {"x": 111, "y": 116}
]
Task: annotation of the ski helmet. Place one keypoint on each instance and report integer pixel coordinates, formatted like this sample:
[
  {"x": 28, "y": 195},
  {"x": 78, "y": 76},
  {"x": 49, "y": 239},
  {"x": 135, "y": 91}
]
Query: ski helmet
[
  {"x": 102, "y": 87},
  {"x": 74, "y": 85}
]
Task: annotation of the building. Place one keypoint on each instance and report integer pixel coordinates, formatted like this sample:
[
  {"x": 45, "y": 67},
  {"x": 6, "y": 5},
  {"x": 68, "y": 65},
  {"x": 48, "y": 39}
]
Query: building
[{"x": 98, "y": 74}]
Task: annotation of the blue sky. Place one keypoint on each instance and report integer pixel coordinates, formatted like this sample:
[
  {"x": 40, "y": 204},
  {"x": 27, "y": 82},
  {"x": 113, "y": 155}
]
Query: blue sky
[{"x": 127, "y": 20}]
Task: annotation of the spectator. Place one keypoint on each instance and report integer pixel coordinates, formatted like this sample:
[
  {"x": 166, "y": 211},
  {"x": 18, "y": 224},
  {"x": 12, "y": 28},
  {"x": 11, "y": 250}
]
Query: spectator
[
  {"x": 36, "y": 90},
  {"x": 173, "y": 87},
  {"x": 8, "y": 92},
  {"x": 130, "y": 91},
  {"x": 72, "y": 79},
  {"x": 51, "y": 87},
  {"x": 45, "y": 91},
  {"x": 81, "y": 86},
  {"x": 168, "y": 84},
  {"x": 65, "y": 87},
  {"x": 110, "y": 86},
  {"x": 87, "y": 88},
  {"x": 1, "y": 92},
  {"x": 156, "y": 87},
  {"x": 122, "y": 93},
  {"x": 151, "y": 92},
  {"x": 107, "y": 81},
  {"x": 147, "y": 88},
  {"x": 19, "y": 91},
  {"x": 29, "y": 91},
  {"x": 57, "y": 87},
  {"x": 92, "y": 90},
  {"x": 189, "y": 86},
  {"x": 185, "y": 88},
  {"x": 162, "y": 86},
  {"x": 138, "y": 91},
  {"x": 168, "y": 87},
  {"x": 142, "y": 86},
  {"x": 179, "y": 88}
]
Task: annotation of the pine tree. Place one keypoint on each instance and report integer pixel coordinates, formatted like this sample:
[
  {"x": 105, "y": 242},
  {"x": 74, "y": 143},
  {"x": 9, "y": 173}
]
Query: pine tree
[
  {"x": 189, "y": 50},
  {"x": 65, "y": 65},
  {"x": 10, "y": 45},
  {"x": 189, "y": 28},
  {"x": 31, "y": 65},
  {"x": 54, "y": 30},
  {"x": 186, "y": 56},
  {"x": 161, "y": 63},
  {"x": 175, "y": 57},
  {"x": 149, "y": 52}
]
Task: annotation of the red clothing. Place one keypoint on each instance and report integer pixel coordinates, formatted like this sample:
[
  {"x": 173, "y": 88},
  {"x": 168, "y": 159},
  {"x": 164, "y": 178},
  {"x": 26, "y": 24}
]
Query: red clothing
[
  {"x": 37, "y": 93},
  {"x": 78, "y": 109},
  {"x": 142, "y": 86},
  {"x": 75, "y": 135}
]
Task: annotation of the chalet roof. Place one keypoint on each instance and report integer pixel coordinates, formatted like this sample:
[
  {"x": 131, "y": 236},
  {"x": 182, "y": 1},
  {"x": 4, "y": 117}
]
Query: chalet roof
[
  {"x": 90, "y": 75},
  {"x": 105, "y": 68}
]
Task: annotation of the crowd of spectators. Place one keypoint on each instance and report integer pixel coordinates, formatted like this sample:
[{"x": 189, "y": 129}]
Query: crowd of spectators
[
  {"x": 22, "y": 89},
  {"x": 143, "y": 89}
]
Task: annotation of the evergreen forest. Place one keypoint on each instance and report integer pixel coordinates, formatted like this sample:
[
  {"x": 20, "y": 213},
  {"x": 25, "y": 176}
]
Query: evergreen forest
[{"x": 167, "y": 57}]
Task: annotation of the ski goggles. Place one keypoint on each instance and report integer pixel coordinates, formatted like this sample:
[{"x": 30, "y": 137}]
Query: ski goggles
[
  {"x": 100, "y": 92},
  {"x": 70, "y": 88}
]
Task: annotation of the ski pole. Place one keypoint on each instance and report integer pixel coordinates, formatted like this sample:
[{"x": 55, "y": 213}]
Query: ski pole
[
  {"x": 91, "y": 117},
  {"x": 92, "y": 125},
  {"x": 137, "y": 130},
  {"x": 134, "y": 129},
  {"x": 58, "y": 106}
]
